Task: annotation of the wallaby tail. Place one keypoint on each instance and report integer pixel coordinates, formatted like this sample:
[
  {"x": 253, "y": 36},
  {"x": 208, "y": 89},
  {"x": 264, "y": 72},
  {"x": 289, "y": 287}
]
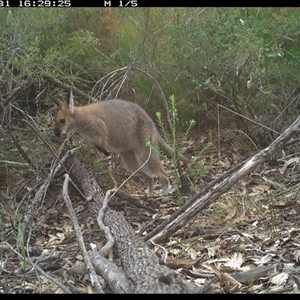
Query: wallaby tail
[{"x": 169, "y": 151}]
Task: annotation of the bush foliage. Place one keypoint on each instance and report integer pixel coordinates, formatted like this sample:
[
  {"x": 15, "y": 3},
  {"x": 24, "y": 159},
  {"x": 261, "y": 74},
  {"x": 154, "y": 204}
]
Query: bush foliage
[{"x": 212, "y": 59}]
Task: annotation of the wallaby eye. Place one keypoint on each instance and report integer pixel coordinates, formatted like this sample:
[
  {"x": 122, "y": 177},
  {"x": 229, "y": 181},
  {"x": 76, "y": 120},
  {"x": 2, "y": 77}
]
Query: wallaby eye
[{"x": 62, "y": 121}]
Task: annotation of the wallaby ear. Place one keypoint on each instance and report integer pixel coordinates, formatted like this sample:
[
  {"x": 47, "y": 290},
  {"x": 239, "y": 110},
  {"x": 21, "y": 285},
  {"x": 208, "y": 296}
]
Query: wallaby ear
[
  {"x": 55, "y": 100},
  {"x": 70, "y": 100}
]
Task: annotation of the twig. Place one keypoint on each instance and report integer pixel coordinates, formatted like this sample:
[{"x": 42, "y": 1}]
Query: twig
[
  {"x": 77, "y": 231},
  {"x": 13, "y": 164},
  {"x": 53, "y": 279},
  {"x": 248, "y": 119},
  {"x": 75, "y": 290},
  {"x": 32, "y": 189},
  {"x": 41, "y": 193},
  {"x": 110, "y": 240},
  {"x": 35, "y": 266},
  {"x": 70, "y": 87},
  {"x": 134, "y": 202},
  {"x": 131, "y": 175},
  {"x": 18, "y": 146}
]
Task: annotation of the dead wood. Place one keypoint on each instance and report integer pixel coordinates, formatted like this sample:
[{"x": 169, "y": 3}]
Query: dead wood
[
  {"x": 79, "y": 237},
  {"x": 253, "y": 275},
  {"x": 133, "y": 201},
  {"x": 39, "y": 196},
  {"x": 70, "y": 87},
  {"x": 144, "y": 271},
  {"x": 221, "y": 185}
]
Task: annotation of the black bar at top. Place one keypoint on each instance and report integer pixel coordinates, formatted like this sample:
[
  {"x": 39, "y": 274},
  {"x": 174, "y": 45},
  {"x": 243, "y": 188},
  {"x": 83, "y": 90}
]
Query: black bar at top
[{"x": 97, "y": 3}]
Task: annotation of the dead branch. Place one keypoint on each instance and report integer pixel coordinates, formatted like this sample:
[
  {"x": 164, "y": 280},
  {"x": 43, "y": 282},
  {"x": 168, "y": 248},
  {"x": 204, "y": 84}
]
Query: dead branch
[
  {"x": 13, "y": 164},
  {"x": 253, "y": 275},
  {"x": 39, "y": 196},
  {"x": 19, "y": 147},
  {"x": 133, "y": 201},
  {"x": 110, "y": 240},
  {"x": 70, "y": 87},
  {"x": 79, "y": 238},
  {"x": 142, "y": 267},
  {"x": 118, "y": 281},
  {"x": 39, "y": 269},
  {"x": 208, "y": 195},
  {"x": 108, "y": 77}
]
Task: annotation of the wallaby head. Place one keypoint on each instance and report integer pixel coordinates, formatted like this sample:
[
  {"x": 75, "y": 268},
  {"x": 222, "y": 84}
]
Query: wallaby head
[
  {"x": 120, "y": 127},
  {"x": 64, "y": 120}
]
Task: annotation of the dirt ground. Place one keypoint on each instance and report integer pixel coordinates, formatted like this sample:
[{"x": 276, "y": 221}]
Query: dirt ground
[{"x": 247, "y": 241}]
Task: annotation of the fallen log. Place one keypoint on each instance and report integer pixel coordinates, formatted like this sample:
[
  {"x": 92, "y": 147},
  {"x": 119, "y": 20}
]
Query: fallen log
[{"x": 143, "y": 268}]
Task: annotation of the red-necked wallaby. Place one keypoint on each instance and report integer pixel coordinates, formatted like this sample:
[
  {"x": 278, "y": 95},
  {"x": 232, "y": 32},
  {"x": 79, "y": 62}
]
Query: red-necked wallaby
[{"x": 121, "y": 127}]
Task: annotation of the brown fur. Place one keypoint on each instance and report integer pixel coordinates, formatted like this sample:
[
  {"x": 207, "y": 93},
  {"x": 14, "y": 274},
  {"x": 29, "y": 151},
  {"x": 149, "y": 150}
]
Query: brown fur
[{"x": 121, "y": 127}]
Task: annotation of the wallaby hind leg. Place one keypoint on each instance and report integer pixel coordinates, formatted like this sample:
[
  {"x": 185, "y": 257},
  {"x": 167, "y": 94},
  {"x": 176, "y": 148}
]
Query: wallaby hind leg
[
  {"x": 131, "y": 164},
  {"x": 155, "y": 167}
]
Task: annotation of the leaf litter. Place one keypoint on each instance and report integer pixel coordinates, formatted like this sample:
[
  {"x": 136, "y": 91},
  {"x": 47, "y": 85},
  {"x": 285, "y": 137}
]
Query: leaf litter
[{"x": 247, "y": 241}]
